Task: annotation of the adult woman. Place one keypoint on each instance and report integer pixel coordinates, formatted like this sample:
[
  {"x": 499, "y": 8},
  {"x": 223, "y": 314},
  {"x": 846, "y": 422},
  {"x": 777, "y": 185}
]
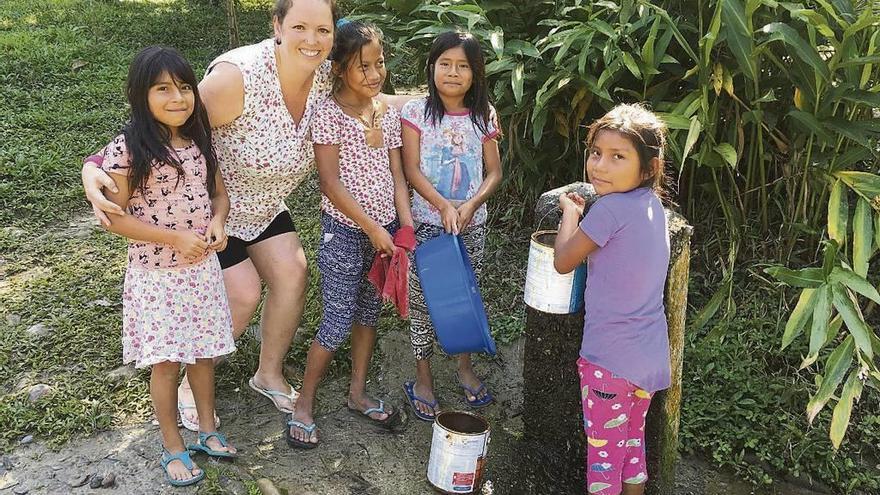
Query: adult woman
[{"x": 260, "y": 99}]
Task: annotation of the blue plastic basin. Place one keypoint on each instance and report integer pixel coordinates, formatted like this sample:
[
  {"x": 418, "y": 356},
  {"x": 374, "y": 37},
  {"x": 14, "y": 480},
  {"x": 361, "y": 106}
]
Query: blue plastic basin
[{"x": 453, "y": 297}]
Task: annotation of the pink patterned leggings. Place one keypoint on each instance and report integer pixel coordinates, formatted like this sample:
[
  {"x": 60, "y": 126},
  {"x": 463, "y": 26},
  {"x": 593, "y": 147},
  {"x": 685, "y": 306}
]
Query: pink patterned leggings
[{"x": 614, "y": 422}]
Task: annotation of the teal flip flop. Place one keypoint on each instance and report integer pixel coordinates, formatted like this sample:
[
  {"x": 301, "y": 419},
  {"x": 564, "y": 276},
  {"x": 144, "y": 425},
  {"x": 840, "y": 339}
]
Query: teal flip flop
[
  {"x": 168, "y": 458},
  {"x": 202, "y": 445}
]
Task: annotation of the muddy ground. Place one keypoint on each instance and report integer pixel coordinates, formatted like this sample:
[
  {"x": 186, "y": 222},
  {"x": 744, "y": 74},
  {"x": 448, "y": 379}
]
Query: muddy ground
[{"x": 354, "y": 457}]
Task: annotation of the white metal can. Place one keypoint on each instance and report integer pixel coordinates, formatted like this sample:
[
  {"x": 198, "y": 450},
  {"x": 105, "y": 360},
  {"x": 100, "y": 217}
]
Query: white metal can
[
  {"x": 546, "y": 290},
  {"x": 458, "y": 452}
]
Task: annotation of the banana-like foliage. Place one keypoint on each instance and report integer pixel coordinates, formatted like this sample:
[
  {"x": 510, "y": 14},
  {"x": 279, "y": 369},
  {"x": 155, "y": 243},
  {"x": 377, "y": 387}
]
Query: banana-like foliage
[{"x": 774, "y": 117}]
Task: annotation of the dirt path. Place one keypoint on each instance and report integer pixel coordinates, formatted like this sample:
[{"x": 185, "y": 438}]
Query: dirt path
[{"x": 354, "y": 457}]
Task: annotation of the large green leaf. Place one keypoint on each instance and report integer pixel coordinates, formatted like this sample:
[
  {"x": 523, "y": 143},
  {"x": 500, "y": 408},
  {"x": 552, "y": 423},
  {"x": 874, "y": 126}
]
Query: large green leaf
[
  {"x": 648, "y": 47},
  {"x": 496, "y": 39},
  {"x": 852, "y": 316},
  {"x": 692, "y": 135},
  {"x": 516, "y": 81},
  {"x": 863, "y": 237},
  {"x": 854, "y": 282},
  {"x": 805, "y": 277},
  {"x": 799, "y": 316},
  {"x": 631, "y": 64},
  {"x": 782, "y": 32},
  {"x": 867, "y": 185},
  {"x": 830, "y": 331},
  {"x": 870, "y": 59},
  {"x": 708, "y": 311},
  {"x": 852, "y": 390},
  {"x": 867, "y": 19},
  {"x": 821, "y": 315},
  {"x": 838, "y": 213},
  {"x": 520, "y": 47},
  {"x": 810, "y": 123},
  {"x": 739, "y": 36},
  {"x": 829, "y": 256},
  {"x": 836, "y": 367},
  {"x": 727, "y": 152}
]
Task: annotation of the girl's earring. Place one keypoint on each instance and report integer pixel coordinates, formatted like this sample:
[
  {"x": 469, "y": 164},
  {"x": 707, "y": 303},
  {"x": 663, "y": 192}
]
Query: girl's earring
[{"x": 277, "y": 41}]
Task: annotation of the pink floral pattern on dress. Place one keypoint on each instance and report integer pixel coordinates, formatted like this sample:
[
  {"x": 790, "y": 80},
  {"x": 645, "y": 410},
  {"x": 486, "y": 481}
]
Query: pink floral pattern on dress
[
  {"x": 172, "y": 310},
  {"x": 175, "y": 314},
  {"x": 363, "y": 170},
  {"x": 264, "y": 154}
]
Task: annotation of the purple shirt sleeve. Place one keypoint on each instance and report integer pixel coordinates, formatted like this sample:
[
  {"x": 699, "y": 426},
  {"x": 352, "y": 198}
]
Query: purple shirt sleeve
[{"x": 599, "y": 224}]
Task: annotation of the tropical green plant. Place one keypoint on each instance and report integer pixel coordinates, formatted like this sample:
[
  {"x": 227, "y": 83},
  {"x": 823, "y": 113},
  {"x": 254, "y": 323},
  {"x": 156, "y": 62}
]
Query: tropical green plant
[{"x": 772, "y": 111}]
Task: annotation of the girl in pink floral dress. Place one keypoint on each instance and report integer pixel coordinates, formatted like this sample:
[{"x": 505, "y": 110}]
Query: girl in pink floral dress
[{"x": 175, "y": 308}]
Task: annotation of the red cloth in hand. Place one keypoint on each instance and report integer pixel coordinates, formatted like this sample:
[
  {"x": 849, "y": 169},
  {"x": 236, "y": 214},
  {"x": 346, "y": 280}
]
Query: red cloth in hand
[{"x": 390, "y": 276}]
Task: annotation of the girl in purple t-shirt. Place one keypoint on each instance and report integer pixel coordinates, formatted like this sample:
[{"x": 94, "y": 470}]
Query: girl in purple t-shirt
[{"x": 624, "y": 354}]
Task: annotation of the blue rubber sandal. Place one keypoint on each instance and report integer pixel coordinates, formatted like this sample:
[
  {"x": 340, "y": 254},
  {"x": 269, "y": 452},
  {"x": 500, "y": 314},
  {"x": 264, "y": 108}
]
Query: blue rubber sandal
[
  {"x": 412, "y": 398},
  {"x": 391, "y": 420},
  {"x": 202, "y": 445},
  {"x": 168, "y": 458},
  {"x": 478, "y": 402},
  {"x": 295, "y": 442}
]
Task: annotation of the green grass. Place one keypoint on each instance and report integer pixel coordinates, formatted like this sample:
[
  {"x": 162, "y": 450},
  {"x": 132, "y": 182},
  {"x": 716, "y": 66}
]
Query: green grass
[
  {"x": 53, "y": 274},
  {"x": 744, "y": 399}
]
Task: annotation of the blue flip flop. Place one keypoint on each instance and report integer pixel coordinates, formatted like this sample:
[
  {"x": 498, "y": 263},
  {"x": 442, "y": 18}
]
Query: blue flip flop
[
  {"x": 295, "y": 442},
  {"x": 391, "y": 420},
  {"x": 202, "y": 445},
  {"x": 412, "y": 398},
  {"x": 168, "y": 458},
  {"x": 478, "y": 402}
]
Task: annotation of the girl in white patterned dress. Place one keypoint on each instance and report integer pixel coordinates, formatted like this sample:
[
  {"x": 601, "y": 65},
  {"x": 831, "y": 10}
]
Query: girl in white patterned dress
[{"x": 175, "y": 309}]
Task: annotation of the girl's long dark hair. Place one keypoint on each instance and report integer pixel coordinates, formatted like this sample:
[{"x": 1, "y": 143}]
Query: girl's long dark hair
[
  {"x": 477, "y": 97},
  {"x": 148, "y": 140}
]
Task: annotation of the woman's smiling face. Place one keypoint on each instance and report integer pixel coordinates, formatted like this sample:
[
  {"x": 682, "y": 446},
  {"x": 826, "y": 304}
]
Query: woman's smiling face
[{"x": 306, "y": 31}]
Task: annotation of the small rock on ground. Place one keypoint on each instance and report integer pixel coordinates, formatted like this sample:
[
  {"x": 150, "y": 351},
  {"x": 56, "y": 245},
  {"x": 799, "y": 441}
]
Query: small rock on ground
[
  {"x": 108, "y": 481},
  {"x": 96, "y": 481},
  {"x": 38, "y": 391},
  {"x": 79, "y": 480},
  {"x": 39, "y": 330},
  {"x": 122, "y": 373},
  {"x": 26, "y": 440}
]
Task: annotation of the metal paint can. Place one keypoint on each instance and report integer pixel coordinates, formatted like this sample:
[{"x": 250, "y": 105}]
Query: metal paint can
[
  {"x": 458, "y": 452},
  {"x": 546, "y": 290}
]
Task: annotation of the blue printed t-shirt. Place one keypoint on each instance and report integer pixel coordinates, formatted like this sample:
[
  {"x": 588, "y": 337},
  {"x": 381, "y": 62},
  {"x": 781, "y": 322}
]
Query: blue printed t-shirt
[
  {"x": 625, "y": 323},
  {"x": 451, "y": 157}
]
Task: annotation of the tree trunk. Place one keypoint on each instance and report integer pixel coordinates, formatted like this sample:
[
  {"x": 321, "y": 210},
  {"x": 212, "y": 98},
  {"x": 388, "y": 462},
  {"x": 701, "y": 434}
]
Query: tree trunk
[{"x": 232, "y": 24}]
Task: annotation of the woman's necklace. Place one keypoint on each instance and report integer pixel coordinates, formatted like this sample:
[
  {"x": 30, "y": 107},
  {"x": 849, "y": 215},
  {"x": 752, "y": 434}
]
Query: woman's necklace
[{"x": 372, "y": 123}]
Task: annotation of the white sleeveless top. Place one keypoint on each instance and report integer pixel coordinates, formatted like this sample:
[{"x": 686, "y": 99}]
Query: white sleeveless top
[{"x": 263, "y": 154}]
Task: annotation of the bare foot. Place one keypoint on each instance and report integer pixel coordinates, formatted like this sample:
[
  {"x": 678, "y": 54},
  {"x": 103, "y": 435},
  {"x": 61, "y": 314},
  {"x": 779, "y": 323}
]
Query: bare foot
[{"x": 187, "y": 403}]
